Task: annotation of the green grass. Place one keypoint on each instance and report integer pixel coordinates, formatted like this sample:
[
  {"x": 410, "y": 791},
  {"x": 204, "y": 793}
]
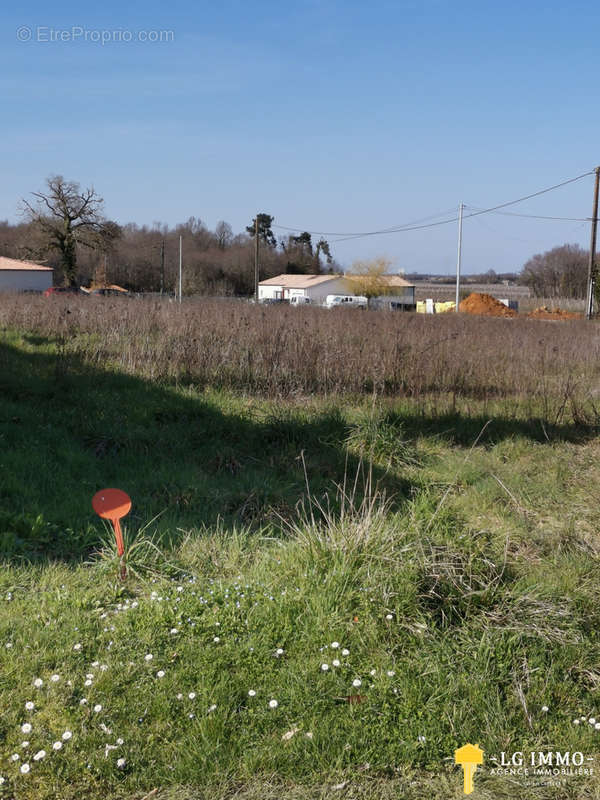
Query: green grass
[{"x": 463, "y": 562}]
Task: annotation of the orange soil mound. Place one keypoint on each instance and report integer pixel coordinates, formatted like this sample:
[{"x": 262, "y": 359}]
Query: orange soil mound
[
  {"x": 485, "y": 304},
  {"x": 543, "y": 312}
]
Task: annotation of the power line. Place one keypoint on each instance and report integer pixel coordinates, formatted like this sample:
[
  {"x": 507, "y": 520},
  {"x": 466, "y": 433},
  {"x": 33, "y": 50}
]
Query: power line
[{"x": 413, "y": 226}]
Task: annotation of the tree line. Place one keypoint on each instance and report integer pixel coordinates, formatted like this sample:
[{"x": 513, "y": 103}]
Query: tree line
[{"x": 65, "y": 228}]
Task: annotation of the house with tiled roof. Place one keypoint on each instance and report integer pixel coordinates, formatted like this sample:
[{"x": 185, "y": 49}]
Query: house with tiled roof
[{"x": 24, "y": 276}]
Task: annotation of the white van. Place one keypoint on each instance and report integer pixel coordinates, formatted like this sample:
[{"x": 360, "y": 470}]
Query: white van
[
  {"x": 345, "y": 301},
  {"x": 300, "y": 300}
]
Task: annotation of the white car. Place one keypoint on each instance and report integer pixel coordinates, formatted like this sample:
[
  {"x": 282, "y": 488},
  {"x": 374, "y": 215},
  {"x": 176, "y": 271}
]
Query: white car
[
  {"x": 345, "y": 301},
  {"x": 300, "y": 300}
]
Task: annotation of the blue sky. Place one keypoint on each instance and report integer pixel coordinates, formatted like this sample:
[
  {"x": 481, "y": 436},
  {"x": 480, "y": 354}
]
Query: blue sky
[{"x": 332, "y": 116}]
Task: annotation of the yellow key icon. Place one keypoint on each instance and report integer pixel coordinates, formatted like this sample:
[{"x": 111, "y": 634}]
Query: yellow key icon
[{"x": 469, "y": 757}]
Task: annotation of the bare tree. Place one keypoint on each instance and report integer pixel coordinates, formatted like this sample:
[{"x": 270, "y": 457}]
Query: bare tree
[
  {"x": 560, "y": 272},
  {"x": 68, "y": 217}
]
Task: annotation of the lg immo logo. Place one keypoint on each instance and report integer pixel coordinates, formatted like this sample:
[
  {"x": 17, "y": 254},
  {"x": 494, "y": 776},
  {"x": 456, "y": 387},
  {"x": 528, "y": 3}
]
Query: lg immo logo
[{"x": 470, "y": 756}]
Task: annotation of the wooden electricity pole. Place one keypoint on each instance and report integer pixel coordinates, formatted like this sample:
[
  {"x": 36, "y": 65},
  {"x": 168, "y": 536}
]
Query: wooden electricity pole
[
  {"x": 256, "y": 259},
  {"x": 592, "y": 261}
]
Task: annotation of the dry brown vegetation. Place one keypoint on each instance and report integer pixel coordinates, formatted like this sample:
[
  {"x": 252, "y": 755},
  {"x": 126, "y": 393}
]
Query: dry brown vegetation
[{"x": 533, "y": 366}]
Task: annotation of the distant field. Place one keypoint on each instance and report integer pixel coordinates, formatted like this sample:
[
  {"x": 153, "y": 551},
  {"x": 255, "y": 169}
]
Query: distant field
[
  {"x": 358, "y": 540},
  {"x": 527, "y": 302}
]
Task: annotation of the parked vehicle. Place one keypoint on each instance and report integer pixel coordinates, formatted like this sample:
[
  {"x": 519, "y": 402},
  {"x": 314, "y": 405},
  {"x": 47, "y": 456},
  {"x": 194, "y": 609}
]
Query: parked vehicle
[
  {"x": 300, "y": 300},
  {"x": 63, "y": 290},
  {"x": 345, "y": 301},
  {"x": 271, "y": 301}
]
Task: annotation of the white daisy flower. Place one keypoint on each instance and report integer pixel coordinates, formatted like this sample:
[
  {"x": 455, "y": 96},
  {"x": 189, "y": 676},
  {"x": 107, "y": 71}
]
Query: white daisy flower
[
  {"x": 29, "y": 705},
  {"x": 26, "y": 727},
  {"x": 119, "y": 741},
  {"x": 545, "y": 709},
  {"x": 38, "y": 682},
  {"x": 273, "y": 703},
  {"x": 279, "y": 651},
  {"x": 66, "y": 736},
  {"x": 216, "y": 639},
  {"x": 83, "y": 701},
  {"x": 97, "y": 708},
  {"x": 39, "y": 755},
  {"x": 391, "y": 673},
  {"x": 251, "y": 693},
  {"x": 57, "y": 745},
  {"x": 55, "y": 678},
  {"x": 87, "y": 683},
  {"x": 24, "y": 745},
  {"x": 336, "y": 662},
  {"x": 389, "y": 616},
  {"x": 148, "y": 657},
  {"x": 345, "y": 652},
  {"x": 15, "y": 757},
  {"x": 356, "y": 683},
  {"x": 324, "y": 667},
  {"x": 121, "y": 763},
  {"x": 335, "y": 645},
  {"x": 575, "y": 722},
  {"x": 25, "y": 769},
  {"x": 192, "y": 695},
  {"x": 77, "y": 646},
  {"x": 160, "y": 673}
]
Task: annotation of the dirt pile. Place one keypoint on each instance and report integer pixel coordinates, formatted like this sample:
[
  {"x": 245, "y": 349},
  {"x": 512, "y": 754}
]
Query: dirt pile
[
  {"x": 543, "y": 312},
  {"x": 485, "y": 304}
]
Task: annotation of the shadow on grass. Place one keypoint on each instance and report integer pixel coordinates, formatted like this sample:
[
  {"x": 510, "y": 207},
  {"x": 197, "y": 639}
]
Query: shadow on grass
[
  {"x": 488, "y": 429},
  {"x": 68, "y": 429}
]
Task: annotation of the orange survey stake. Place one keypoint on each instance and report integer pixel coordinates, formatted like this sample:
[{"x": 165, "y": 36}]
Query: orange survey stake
[{"x": 113, "y": 504}]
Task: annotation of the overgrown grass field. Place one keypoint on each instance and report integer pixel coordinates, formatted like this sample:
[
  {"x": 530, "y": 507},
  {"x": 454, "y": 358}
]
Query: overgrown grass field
[{"x": 335, "y": 577}]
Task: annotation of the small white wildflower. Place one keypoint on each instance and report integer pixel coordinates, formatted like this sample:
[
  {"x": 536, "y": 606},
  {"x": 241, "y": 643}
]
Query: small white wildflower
[
  {"x": 575, "y": 722},
  {"x": 2, "y": 780},
  {"x": 39, "y": 755},
  {"x": 345, "y": 652},
  {"x": 324, "y": 667},
  {"x": 57, "y": 745},
  {"x": 335, "y": 645},
  {"x": 251, "y": 693},
  {"x": 66, "y": 736},
  {"x": 15, "y": 757},
  {"x": 216, "y": 639},
  {"x": 121, "y": 763},
  {"x": 25, "y": 769},
  {"x": 83, "y": 701},
  {"x": 97, "y": 708},
  {"x": 391, "y": 673},
  {"x": 356, "y": 682},
  {"x": 148, "y": 657},
  {"x": 597, "y": 726},
  {"x": 87, "y": 683},
  {"x": 103, "y": 667},
  {"x": 38, "y": 682},
  {"x": 26, "y": 727},
  {"x": 336, "y": 662},
  {"x": 174, "y": 631},
  {"x": 273, "y": 703},
  {"x": 95, "y": 663},
  {"x": 212, "y": 708},
  {"x": 179, "y": 696},
  {"x": 8, "y": 645},
  {"x": 29, "y": 705},
  {"x": 389, "y": 616},
  {"x": 77, "y": 646},
  {"x": 89, "y": 675},
  {"x": 192, "y": 695},
  {"x": 309, "y": 735},
  {"x": 279, "y": 651},
  {"x": 545, "y": 709},
  {"x": 119, "y": 741},
  {"x": 421, "y": 739},
  {"x": 592, "y": 720},
  {"x": 24, "y": 745},
  {"x": 55, "y": 678},
  {"x": 160, "y": 673},
  {"x": 373, "y": 672}
]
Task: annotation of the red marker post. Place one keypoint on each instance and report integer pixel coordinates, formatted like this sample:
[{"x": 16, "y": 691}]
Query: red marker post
[{"x": 113, "y": 504}]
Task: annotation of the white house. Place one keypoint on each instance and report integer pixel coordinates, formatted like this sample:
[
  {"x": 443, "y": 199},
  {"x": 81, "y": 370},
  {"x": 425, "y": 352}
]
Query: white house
[
  {"x": 20, "y": 276},
  {"x": 315, "y": 287}
]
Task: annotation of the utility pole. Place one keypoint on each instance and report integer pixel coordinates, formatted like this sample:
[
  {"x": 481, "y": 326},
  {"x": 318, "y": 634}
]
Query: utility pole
[
  {"x": 589, "y": 309},
  {"x": 180, "y": 264},
  {"x": 162, "y": 266},
  {"x": 458, "y": 259},
  {"x": 256, "y": 259}
]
